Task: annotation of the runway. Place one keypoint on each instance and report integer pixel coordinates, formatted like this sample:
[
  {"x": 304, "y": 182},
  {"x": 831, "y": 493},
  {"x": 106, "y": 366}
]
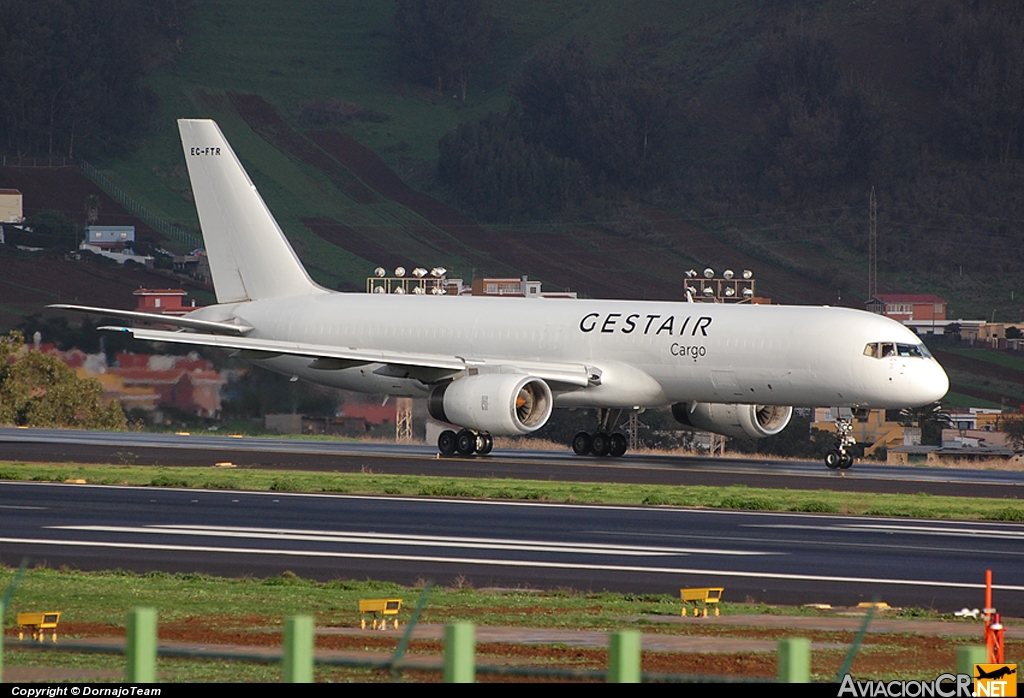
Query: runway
[
  {"x": 52, "y": 445},
  {"x": 776, "y": 558}
]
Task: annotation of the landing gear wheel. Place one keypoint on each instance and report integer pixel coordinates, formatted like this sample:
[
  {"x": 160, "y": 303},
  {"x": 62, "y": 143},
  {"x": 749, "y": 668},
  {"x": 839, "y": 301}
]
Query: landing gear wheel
[
  {"x": 619, "y": 446},
  {"x": 484, "y": 444},
  {"x": 845, "y": 461},
  {"x": 833, "y": 459},
  {"x": 581, "y": 444},
  {"x": 601, "y": 444},
  {"x": 465, "y": 442},
  {"x": 446, "y": 443}
]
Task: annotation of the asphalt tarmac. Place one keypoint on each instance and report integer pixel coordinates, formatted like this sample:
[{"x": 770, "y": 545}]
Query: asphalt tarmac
[
  {"x": 52, "y": 445},
  {"x": 775, "y": 558}
]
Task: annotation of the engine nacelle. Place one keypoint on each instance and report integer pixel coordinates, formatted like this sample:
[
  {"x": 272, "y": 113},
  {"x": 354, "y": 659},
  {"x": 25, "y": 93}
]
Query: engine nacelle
[
  {"x": 498, "y": 403},
  {"x": 755, "y": 421}
]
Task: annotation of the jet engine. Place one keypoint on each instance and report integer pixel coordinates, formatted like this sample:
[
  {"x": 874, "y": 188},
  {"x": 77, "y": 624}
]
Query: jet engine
[
  {"x": 497, "y": 403},
  {"x": 755, "y": 421}
]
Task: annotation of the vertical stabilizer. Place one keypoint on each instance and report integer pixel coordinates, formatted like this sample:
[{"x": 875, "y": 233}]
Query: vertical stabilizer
[{"x": 249, "y": 256}]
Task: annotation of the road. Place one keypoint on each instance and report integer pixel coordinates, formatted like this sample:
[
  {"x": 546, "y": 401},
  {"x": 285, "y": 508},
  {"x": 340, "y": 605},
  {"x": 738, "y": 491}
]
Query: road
[
  {"x": 776, "y": 558},
  {"x": 53, "y": 445}
]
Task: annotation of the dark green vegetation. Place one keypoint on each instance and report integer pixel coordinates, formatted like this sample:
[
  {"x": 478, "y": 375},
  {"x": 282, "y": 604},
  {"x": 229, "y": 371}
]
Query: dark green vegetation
[
  {"x": 39, "y": 390},
  {"x": 71, "y": 74},
  {"x": 612, "y": 145}
]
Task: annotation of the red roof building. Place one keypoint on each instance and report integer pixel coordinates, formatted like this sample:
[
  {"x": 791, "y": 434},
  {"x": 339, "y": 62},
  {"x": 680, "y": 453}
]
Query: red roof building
[
  {"x": 167, "y": 301},
  {"x": 909, "y": 307}
]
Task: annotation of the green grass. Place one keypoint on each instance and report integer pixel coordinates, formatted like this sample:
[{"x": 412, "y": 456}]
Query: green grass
[
  {"x": 735, "y": 497},
  {"x": 999, "y": 358},
  {"x": 959, "y": 401}
]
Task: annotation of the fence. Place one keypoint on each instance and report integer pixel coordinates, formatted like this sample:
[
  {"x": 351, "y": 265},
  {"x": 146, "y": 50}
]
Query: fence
[
  {"x": 49, "y": 161},
  {"x": 148, "y": 217},
  {"x": 459, "y": 664}
]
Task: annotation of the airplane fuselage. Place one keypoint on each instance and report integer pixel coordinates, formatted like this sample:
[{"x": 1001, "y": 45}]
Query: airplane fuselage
[{"x": 647, "y": 353}]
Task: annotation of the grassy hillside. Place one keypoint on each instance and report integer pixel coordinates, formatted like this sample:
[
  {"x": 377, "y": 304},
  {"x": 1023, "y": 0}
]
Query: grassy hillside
[
  {"x": 287, "y": 55},
  {"x": 310, "y": 50}
]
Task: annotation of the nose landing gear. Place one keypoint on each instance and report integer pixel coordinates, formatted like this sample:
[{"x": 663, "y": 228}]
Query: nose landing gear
[{"x": 839, "y": 458}]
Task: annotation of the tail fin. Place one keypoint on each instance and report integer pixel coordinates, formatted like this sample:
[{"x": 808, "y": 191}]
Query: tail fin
[{"x": 249, "y": 256}]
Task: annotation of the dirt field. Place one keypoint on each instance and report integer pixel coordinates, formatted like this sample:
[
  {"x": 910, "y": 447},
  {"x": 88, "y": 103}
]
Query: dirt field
[{"x": 739, "y": 646}]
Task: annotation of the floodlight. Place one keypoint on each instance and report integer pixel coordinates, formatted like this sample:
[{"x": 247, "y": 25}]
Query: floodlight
[
  {"x": 399, "y": 271},
  {"x": 379, "y": 271},
  {"x": 708, "y": 273}
]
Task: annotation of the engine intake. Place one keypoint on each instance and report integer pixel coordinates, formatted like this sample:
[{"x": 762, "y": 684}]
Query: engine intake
[
  {"x": 498, "y": 403},
  {"x": 755, "y": 421}
]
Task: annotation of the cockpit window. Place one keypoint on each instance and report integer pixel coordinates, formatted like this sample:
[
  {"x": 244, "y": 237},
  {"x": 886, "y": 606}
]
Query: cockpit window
[{"x": 881, "y": 350}]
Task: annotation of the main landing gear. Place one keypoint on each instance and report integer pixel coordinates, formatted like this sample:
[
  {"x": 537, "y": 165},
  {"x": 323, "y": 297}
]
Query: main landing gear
[
  {"x": 465, "y": 443},
  {"x": 601, "y": 442},
  {"x": 839, "y": 458}
]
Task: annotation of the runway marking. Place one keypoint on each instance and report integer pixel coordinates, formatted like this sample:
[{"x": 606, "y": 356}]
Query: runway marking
[
  {"x": 507, "y": 563},
  {"x": 408, "y": 540},
  {"x": 15, "y": 506},
  {"x": 897, "y": 528}
]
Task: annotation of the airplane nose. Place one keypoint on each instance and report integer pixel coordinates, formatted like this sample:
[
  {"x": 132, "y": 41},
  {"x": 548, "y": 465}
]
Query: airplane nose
[{"x": 932, "y": 382}]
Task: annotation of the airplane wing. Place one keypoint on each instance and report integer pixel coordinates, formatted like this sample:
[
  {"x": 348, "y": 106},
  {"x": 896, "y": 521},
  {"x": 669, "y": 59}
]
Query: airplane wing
[
  {"x": 228, "y": 328},
  {"x": 429, "y": 368}
]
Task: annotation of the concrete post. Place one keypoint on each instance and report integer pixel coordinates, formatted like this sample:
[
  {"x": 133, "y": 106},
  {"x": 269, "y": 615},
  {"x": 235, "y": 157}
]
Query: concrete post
[
  {"x": 624, "y": 657},
  {"x": 459, "y": 653},
  {"x": 795, "y": 660},
  {"x": 298, "y": 650},
  {"x": 969, "y": 655},
  {"x": 140, "y": 646}
]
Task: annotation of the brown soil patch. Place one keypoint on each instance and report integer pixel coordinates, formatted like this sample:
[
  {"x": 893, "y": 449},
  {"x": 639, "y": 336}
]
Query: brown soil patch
[
  {"x": 265, "y": 121},
  {"x": 351, "y": 240}
]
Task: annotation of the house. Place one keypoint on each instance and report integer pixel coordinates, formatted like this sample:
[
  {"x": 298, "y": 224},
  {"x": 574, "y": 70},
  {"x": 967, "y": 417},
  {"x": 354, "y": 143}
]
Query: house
[
  {"x": 11, "y": 206},
  {"x": 110, "y": 237},
  {"x": 923, "y": 313},
  {"x": 516, "y": 287},
  {"x": 166, "y": 301}
]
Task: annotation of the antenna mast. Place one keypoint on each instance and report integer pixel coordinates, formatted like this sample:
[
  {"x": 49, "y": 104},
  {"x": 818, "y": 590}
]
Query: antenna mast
[{"x": 872, "y": 245}]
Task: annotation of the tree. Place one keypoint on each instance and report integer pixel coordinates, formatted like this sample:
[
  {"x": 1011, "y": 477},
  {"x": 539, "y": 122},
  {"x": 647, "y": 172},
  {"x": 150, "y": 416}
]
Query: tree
[
  {"x": 931, "y": 419},
  {"x": 444, "y": 42},
  {"x": 92, "y": 209},
  {"x": 37, "y": 390},
  {"x": 52, "y": 229},
  {"x": 816, "y": 131},
  {"x": 618, "y": 121},
  {"x": 1013, "y": 427},
  {"x": 70, "y": 75},
  {"x": 502, "y": 176},
  {"x": 979, "y": 63}
]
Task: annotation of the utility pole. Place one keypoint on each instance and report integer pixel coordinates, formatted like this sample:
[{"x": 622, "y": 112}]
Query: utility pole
[{"x": 872, "y": 245}]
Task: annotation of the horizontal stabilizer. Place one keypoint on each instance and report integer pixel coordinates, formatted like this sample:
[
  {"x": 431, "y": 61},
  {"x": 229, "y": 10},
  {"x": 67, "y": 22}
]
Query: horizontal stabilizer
[{"x": 228, "y": 328}]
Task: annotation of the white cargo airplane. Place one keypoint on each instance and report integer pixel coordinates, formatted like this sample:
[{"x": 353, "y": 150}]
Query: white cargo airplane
[{"x": 497, "y": 366}]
